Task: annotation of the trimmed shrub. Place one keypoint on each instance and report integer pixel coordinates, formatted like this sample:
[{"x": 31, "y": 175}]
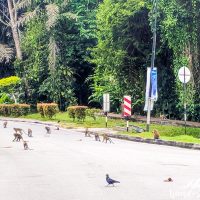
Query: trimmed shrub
[
  {"x": 15, "y": 110},
  {"x": 78, "y": 112},
  {"x": 71, "y": 112},
  {"x": 47, "y": 109},
  {"x": 91, "y": 112}
]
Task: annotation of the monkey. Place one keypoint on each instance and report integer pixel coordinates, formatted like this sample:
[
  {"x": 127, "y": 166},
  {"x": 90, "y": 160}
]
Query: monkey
[
  {"x": 87, "y": 134},
  {"x": 48, "y": 129},
  {"x": 30, "y": 133},
  {"x": 156, "y": 134},
  {"x": 169, "y": 180},
  {"x": 21, "y": 131},
  {"x": 97, "y": 138},
  {"x": 18, "y": 137},
  {"x": 25, "y": 143},
  {"x": 5, "y": 124},
  {"x": 163, "y": 117},
  {"x": 106, "y": 138}
]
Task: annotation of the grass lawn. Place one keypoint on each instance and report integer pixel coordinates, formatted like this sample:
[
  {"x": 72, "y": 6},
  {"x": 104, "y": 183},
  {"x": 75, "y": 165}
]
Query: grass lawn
[{"x": 167, "y": 132}]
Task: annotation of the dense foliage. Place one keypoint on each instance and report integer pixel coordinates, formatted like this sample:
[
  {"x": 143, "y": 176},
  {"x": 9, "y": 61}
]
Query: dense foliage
[{"x": 71, "y": 52}]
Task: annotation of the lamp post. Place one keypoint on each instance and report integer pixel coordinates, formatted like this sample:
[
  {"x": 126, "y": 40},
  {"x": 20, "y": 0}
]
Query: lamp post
[{"x": 154, "y": 27}]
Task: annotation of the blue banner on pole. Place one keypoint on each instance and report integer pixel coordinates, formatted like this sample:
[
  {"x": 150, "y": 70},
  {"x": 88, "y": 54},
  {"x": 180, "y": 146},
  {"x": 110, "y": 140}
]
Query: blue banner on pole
[{"x": 154, "y": 92}]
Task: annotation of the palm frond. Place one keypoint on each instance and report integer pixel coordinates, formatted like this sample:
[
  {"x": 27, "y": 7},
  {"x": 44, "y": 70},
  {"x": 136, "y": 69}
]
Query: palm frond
[
  {"x": 52, "y": 13},
  {"x": 70, "y": 15},
  {"x": 4, "y": 22},
  {"x": 26, "y": 17},
  {"x": 65, "y": 3},
  {"x": 22, "y": 4},
  {"x": 6, "y": 53},
  {"x": 53, "y": 50}
]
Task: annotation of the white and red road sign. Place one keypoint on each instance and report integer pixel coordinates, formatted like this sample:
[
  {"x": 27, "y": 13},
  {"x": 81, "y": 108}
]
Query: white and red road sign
[
  {"x": 127, "y": 106},
  {"x": 184, "y": 74}
]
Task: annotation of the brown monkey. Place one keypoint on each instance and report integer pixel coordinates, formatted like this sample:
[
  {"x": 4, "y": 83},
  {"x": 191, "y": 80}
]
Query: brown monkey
[
  {"x": 18, "y": 137},
  {"x": 57, "y": 126},
  {"x": 21, "y": 131},
  {"x": 87, "y": 134},
  {"x": 106, "y": 138},
  {"x": 163, "y": 117},
  {"x": 30, "y": 133},
  {"x": 97, "y": 138},
  {"x": 5, "y": 124},
  {"x": 48, "y": 129},
  {"x": 25, "y": 143},
  {"x": 156, "y": 134}
]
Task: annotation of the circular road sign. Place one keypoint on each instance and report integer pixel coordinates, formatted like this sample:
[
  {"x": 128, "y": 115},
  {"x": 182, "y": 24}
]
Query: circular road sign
[{"x": 184, "y": 74}]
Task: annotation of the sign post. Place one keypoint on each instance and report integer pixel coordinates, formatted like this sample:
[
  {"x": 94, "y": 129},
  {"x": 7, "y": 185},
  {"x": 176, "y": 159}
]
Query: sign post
[
  {"x": 184, "y": 76},
  {"x": 127, "y": 110},
  {"x": 106, "y": 106}
]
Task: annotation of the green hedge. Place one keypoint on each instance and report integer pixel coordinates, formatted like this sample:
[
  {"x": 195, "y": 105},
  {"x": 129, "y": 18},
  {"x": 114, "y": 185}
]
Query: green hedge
[
  {"x": 78, "y": 112},
  {"x": 15, "y": 110},
  {"x": 91, "y": 112},
  {"x": 47, "y": 109}
]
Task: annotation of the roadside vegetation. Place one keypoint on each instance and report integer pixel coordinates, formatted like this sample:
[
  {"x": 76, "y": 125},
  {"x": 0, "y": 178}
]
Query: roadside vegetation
[{"x": 167, "y": 132}]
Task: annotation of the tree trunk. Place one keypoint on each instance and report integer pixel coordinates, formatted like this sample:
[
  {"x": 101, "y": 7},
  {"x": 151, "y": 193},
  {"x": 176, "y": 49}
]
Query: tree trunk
[{"x": 14, "y": 29}]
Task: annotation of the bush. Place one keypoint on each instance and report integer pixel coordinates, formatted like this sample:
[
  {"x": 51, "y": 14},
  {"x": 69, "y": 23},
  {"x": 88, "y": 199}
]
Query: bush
[
  {"x": 78, "y": 112},
  {"x": 91, "y": 112},
  {"x": 47, "y": 109},
  {"x": 15, "y": 110}
]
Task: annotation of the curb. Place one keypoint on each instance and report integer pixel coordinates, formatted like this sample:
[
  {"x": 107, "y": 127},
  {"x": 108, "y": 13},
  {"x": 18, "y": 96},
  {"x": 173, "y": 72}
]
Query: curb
[
  {"x": 29, "y": 121},
  {"x": 152, "y": 141},
  {"x": 119, "y": 136}
]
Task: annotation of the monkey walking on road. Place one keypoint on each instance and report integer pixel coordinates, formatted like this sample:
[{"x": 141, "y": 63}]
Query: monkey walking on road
[
  {"x": 87, "y": 133},
  {"x": 97, "y": 138},
  {"x": 25, "y": 144},
  {"x": 18, "y": 137},
  {"x": 107, "y": 138},
  {"x": 19, "y": 130},
  {"x": 30, "y": 133},
  {"x": 48, "y": 129},
  {"x": 5, "y": 124}
]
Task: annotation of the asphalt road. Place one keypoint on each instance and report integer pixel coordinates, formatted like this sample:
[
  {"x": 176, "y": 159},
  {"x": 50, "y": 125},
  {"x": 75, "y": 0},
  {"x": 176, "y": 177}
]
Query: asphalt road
[{"x": 68, "y": 166}]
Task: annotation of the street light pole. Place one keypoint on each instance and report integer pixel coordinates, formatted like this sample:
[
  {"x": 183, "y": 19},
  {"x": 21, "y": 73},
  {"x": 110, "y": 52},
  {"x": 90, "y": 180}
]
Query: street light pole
[{"x": 154, "y": 27}]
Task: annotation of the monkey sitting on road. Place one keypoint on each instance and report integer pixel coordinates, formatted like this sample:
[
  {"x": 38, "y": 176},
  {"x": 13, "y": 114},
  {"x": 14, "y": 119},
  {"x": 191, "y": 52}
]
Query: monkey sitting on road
[
  {"x": 106, "y": 138},
  {"x": 156, "y": 134},
  {"x": 30, "y": 133},
  {"x": 18, "y": 137},
  {"x": 5, "y": 124},
  {"x": 87, "y": 134},
  {"x": 48, "y": 129},
  {"x": 25, "y": 143},
  {"x": 57, "y": 126},
  {"x": 20, "y": 130},
  {"x": 97, "y": 138}
]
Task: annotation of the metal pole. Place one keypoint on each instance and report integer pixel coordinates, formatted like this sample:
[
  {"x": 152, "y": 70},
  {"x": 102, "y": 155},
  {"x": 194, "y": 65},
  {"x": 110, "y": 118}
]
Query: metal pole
[
  {"x": 185, "y": 109},
  {"x": 106, "y": 114},
  {"x": 154, "y": 13},
  {"x": 127, "y": 125}
]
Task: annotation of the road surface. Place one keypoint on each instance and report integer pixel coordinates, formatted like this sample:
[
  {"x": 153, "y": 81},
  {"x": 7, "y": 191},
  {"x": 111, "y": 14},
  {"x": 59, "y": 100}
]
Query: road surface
[{"x": 68, "y": 166}]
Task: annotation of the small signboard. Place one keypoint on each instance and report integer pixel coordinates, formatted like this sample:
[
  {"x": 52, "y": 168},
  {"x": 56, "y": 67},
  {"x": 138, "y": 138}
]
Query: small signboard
[
  {"x": 106, "y": 102},
  {"x": 184, "y": 74},
  {"x": 127, "y": 106}
]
